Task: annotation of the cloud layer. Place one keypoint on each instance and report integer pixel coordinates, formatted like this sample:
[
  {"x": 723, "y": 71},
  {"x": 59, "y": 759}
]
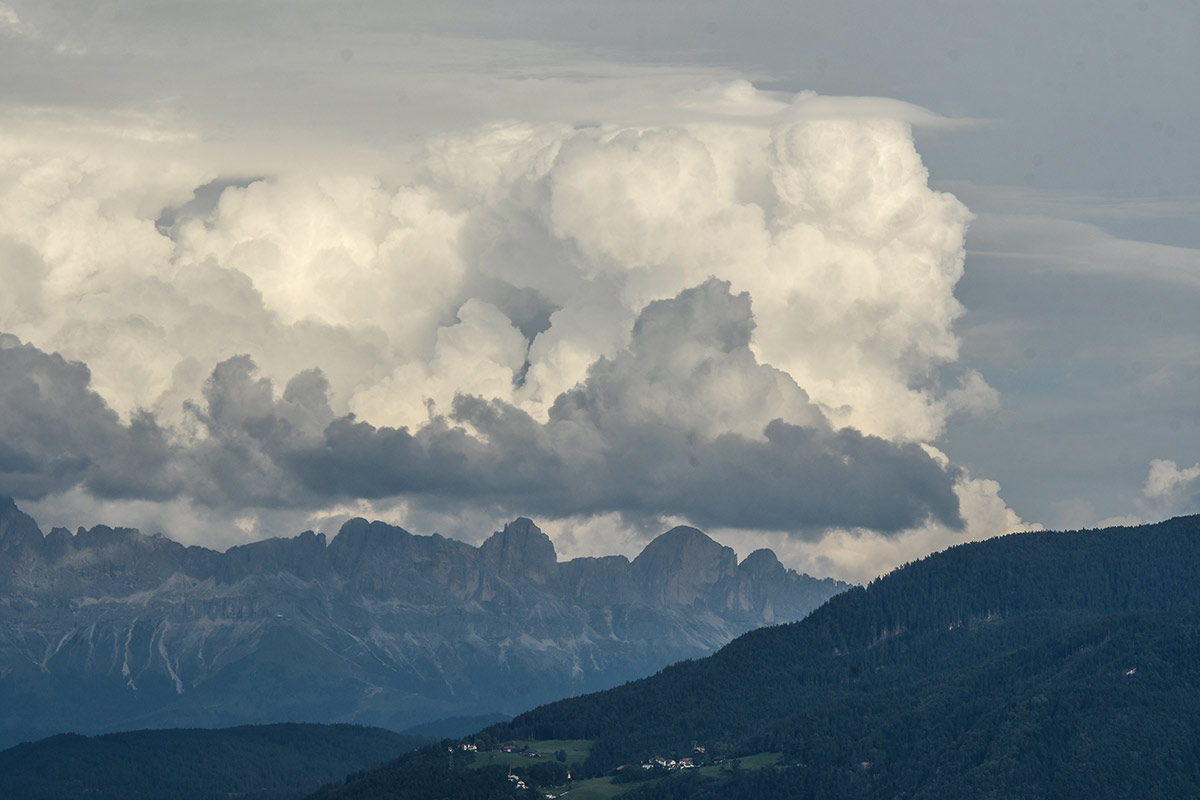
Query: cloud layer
[{"x": 635, "y": 437}]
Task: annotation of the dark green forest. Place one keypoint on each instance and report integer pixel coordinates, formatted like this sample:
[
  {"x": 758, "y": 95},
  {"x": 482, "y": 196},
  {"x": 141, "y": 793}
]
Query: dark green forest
[
  {"x": 264, "y": 762},
  {"x": 1032, "y": 665}
]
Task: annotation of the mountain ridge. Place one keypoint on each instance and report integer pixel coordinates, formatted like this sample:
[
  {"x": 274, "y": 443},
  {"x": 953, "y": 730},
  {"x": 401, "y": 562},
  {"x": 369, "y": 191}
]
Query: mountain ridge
[
  {"x": 271, "y": 762},
  {"x": 111, "y": 628}
]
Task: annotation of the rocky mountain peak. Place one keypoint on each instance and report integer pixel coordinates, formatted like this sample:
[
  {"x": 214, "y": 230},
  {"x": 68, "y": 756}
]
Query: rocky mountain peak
[
  {"x": 358, "y": 538},
  {"x": 371, "y": 554},
  {"x": 20, "y": 537},
  {"x": 305, "y": 556},
  {"x": 761, "y": 562},
  {"x": 121, "y": 557},
  {"x": 521, "y": 550},
  {"x": 16, "y": 525},
  {"x": 682, "y": 543},
  {"x": 680, "y": 565}
]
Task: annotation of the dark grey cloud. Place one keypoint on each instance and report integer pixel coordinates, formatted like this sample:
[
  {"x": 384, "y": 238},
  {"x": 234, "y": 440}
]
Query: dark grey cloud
[
  {"x": 646, "y": 434},
  {"x": 246, "y": 436},
  {"x": 604, "y": 449},
  {"x": 56, "y": 433},
  {"x": 796, "y": 478}
]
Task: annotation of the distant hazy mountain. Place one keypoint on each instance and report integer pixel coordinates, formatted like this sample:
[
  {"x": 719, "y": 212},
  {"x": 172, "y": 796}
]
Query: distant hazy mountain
[
  {"x": 265, "y": 762},
  {"x": 109, "y": 629},
  {"x": 1036, "y": 665}
]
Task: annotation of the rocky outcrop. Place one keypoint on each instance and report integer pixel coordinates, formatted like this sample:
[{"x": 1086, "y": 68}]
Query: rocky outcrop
[
  {"x": 111, "y": 629},
  {"x": 679, "y": 567}
]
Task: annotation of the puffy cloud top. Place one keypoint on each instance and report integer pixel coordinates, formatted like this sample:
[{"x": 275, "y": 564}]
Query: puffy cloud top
[{"x": 736, "y": 318}]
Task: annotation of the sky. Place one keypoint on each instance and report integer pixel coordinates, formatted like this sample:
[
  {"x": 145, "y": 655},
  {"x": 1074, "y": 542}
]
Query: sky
[{"x": 853, "y": 281}]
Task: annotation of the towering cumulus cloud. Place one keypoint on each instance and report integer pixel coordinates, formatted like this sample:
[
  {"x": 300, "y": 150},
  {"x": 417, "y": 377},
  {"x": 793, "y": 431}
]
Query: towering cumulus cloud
[
  {"x": 741, "y": 318},
  {"x": 654, "y": 430}
]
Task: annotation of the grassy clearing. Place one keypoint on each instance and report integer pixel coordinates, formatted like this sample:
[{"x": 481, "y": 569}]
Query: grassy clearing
[
  {"x": 592, "y": 789},
  {"x": 604, "y": 789},
  {"x": 760, "y": 760},
  {"x": 756, "y": 761},
  {"x": 577, "y": 750}
]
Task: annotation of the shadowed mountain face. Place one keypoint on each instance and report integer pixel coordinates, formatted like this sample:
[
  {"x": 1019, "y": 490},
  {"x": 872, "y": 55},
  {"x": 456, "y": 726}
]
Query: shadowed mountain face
[{"x": 109, "y": 629}]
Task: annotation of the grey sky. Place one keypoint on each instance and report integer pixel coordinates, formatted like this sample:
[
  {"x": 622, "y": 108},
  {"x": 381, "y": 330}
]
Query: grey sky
[
  {"x": 1084, "y": 96},
  {"x": 1076, "y": 155}
]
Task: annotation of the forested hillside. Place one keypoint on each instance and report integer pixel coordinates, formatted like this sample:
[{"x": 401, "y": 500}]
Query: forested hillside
[
  {"x": 265, "y": 762},
  {"x": 1032, "y": 665}
]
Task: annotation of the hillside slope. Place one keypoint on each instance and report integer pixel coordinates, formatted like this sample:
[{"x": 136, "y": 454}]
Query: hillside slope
[
  {"x": 1032, "y": 665},
  {"x": 267, "y": 762}
]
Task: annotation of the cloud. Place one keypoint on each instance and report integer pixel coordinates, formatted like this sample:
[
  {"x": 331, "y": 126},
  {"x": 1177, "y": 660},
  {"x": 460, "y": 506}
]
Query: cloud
[
  {"x": 1080, "y": 248},
  {"x": 57, "y": 433},
  {"x": 245, "y": 433},
  {"x": 1080, "y": 331},
  {"x": 828, "y": 222},
  {"x": 1095, "y": 208},
  {"x": 11, "y": 25},
  {"x": 537, "y": 318},
  {"x": 862, "y": 555},
  {"x": 1170, "y": 490},
  {"x": 651, "y": 432}
]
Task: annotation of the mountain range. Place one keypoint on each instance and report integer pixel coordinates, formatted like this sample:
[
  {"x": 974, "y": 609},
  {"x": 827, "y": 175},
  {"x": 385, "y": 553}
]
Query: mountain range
[{"x": 109, "y": 629}]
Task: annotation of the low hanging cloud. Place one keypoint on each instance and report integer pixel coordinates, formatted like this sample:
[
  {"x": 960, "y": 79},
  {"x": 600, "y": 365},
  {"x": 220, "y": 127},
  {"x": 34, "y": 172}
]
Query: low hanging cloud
[
  {"x": 636, "y": 437},
  {"x": 1170, "y": 490},
  {"x": 57, "y": 433}
]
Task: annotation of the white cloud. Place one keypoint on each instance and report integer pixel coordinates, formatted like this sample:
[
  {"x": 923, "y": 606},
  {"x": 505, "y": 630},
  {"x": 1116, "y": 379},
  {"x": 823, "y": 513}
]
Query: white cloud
[
  {"x": 11, "y": 25},
  {"x": 828, "y": 223},
  {"x": 860, "y": 556},
  {"x": 506, "y": 262},
  {"x": 1075, "y": 206},
  {"x": 1080, "y": 248},
  {"x": 1170, "y": 490}
]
